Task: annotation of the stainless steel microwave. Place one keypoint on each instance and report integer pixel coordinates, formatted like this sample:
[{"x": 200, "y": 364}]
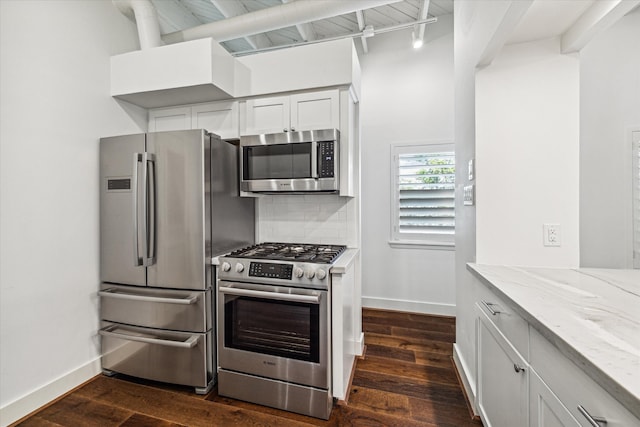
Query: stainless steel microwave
[{"x": 290, "y": 162}]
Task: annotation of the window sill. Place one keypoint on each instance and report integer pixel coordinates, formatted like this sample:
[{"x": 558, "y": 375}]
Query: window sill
[{"x": 422, "y": 244}]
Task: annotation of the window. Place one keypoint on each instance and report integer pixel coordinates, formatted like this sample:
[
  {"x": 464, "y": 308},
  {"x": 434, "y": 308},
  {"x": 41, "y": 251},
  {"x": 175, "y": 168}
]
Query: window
[{"x": 423, "y": 191}]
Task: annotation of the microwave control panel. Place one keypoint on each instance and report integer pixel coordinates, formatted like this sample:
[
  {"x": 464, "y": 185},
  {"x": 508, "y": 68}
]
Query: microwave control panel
[{"x": 326, "y": 159}]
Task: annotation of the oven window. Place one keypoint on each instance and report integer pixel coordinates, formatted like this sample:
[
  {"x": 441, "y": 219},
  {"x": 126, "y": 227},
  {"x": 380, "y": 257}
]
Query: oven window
[
  {"x": 281, "y": 161},
  {"x": 278, "y": 328}
]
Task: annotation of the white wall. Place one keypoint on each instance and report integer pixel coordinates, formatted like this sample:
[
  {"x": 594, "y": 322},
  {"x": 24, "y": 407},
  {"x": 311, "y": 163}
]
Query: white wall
[
  {"x": 475, "y": 24},
  {"x": 609, "y": 107},
  {"x": 55, "y": 105},
  {"x": 407, "y": 96},
  {"x": 527, "y": 149}
]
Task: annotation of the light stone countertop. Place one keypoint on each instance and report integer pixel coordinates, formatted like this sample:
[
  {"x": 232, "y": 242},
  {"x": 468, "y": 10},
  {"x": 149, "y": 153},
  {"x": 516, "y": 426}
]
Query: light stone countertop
[
  {"x": 591, "y": 315},
  {"x": 344, "y": 261}
]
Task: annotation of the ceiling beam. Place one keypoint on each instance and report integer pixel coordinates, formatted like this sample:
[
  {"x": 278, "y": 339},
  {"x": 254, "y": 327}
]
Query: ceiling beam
[
  {"x": 230, "y": 9},
  {"x": 422, "y": 15},
  {"x": 600, "y": 16},
  {"x": 305, "y": 29},
  {"x": 512, "y": 17},
  {"x": 361, "y": 25},
  {"x": 174, "y": 16},
  {"x": 273, "y": 18}
]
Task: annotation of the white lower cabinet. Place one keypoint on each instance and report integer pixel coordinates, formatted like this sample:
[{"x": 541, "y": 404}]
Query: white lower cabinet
[
  {"x": 545, "y": 407},
  {"x": 525, "y": 380},
  {"x": 503, "y": 377}
]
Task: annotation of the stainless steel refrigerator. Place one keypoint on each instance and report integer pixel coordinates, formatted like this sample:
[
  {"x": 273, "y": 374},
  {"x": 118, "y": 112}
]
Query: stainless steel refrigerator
[{"x": 169, "y": 201}]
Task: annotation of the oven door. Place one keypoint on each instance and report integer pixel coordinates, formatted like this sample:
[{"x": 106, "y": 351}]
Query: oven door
[{"x": 275, "y": 332}]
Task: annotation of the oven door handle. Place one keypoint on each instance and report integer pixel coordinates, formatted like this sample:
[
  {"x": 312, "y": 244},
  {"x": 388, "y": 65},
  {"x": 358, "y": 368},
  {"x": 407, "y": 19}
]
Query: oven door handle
[{"x": 307, "y": 299}]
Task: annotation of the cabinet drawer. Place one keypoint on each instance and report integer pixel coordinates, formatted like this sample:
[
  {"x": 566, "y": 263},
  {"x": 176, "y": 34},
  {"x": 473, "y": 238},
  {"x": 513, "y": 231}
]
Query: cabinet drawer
[
  {"x": 575, "y": 388},
  {"x": 156, "y": 308},
  {"x": 173, "y": 357},
  {"x": 510, "y": 324},
  {"x": 502, "y": 377}
]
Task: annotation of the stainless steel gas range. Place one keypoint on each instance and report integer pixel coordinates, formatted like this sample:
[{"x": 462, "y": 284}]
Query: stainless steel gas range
[{"x": 274, "y": 326}]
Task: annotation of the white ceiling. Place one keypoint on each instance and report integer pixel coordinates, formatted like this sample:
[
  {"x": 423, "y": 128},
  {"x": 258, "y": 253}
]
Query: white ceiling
[
  {"x": 175, "y": 15},
  {"x": 543, "y": 19}
]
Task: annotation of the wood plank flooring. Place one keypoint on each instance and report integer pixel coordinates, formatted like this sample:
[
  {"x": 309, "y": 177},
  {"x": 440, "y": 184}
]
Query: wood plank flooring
[{"x": 405, "y": 379}]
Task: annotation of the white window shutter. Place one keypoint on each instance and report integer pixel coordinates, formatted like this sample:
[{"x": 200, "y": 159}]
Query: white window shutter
[{"x": 424, "y": 193}]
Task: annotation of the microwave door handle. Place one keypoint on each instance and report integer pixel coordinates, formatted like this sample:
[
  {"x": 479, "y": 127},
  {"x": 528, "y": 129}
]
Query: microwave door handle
[
  {"x": 137, "y": 157},
  {"x": 314, "y": 159}
]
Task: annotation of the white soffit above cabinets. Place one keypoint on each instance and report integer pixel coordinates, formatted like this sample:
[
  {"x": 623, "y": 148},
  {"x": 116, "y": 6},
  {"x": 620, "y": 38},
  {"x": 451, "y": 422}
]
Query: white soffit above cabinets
[{"x": 180, "y": 15}]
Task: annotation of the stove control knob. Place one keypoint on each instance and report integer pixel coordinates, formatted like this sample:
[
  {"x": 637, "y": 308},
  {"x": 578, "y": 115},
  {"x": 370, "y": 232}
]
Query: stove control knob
[
  {"x": 298, "y": 272},
  {"x": 309, "y": 274},
  {"x": 225, "y": 266},
  {"x": 239, "y": 268},
  {"x": 321, "y": 274}
]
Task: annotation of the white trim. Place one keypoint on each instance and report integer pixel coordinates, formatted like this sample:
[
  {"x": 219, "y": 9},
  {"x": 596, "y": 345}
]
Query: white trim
[
  {"x": 417, "y": 244},
  {"x": 23, "y": 406},
  {"x": 358, "y": 346},
  {"x": 424, "y": 307},
  {"x": 463, "y": 371}
]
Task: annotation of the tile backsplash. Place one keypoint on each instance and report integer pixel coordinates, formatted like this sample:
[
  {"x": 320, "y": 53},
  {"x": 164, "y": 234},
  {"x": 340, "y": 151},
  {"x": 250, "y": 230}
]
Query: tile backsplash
[{"x": 307, "y": 219}]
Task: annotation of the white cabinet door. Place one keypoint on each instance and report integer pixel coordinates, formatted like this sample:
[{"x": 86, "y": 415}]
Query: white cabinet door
[
  {"x": 546, "y": 409},
  {"x": 220, "y": 118},
  {"x": 502, "y": 378},
  {"x": 170, "y": 119},
  {"x": 315, "y": 110},
  {"x": 303, "y": 111},
  {"x": 267, "y": 115}
]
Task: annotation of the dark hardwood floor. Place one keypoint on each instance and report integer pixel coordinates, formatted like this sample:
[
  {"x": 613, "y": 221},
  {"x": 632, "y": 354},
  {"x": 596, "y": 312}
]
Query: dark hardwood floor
[{"x": 405, "y": 379}]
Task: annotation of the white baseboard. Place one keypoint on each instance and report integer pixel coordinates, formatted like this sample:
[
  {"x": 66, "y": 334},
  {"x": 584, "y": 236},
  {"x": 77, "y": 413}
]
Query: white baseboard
[
  {"x": 467, "y": 382},
  {"x": 410, "y": 306},
  {"x": 358, "y": 346},
  {"x": 23, "y": 406}
]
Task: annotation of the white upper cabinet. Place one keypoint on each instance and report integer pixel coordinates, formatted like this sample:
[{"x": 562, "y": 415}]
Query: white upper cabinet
[
  {"x": 303, "y": 111},
  {"x": 170, "y": 119},
  {"x": 266, "y": 115},
  {"x": 221, "y": 118}
]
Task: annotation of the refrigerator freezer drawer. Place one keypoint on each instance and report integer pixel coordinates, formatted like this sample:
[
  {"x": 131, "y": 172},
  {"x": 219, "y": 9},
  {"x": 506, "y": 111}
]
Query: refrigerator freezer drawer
[
  {"x": 175, "y": 310},
  {"x": 172, "y": 357}
]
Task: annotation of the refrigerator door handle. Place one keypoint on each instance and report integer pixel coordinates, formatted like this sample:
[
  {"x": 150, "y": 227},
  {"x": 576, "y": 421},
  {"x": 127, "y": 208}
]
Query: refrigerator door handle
[
  {"x": 188, "y": 343},
  {"x": 137, "y": 158},
  {"x": 150, "y": 241}
]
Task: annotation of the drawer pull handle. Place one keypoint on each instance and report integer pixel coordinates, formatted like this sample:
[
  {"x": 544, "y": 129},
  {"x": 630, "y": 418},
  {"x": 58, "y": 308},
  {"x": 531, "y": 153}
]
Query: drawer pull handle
[
  {"x": 188, "y": 343},
  {"x": 113, "y": 293},
  {"x": 489, "y": 306},
  {"x": 518, "y": 368},
  {"x": 594, "y": 421}
]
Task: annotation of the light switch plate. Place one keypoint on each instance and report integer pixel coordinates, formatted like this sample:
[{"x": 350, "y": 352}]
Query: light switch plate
[
  {"x": 471, "y": 170},
  {"x": 469, "y": 195}
]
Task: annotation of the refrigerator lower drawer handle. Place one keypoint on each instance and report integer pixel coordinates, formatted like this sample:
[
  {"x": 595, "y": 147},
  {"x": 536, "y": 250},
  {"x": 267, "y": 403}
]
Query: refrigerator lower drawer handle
[
  {"x": 188, "y": 343},
  {"x": 113, "y": 293}
]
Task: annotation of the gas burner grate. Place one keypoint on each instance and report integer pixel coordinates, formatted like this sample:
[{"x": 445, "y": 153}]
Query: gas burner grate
[{"x": 319, "y": 254}]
